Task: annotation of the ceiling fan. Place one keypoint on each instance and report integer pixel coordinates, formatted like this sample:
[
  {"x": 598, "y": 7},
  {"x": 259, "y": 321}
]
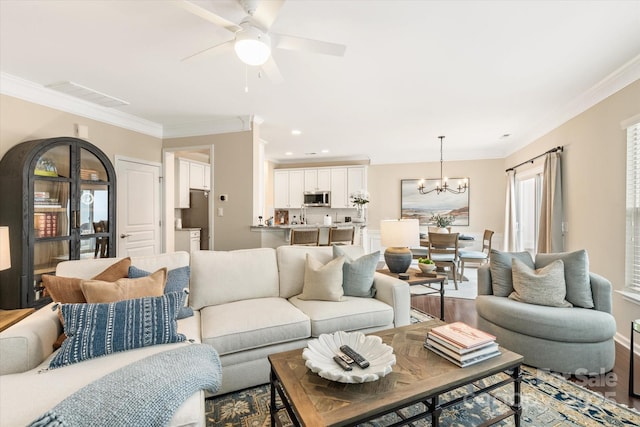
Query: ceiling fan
[{"x": 253, "y": 41}]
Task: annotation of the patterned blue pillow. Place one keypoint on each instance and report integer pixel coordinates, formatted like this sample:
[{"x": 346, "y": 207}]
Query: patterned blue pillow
[
  {"x": 95, "y": 330},
  {"x": 177, "y": 281}
]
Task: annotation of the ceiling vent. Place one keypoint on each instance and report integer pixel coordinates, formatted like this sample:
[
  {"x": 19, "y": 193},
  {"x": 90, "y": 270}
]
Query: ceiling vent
[{"x": 89, "y": 95}]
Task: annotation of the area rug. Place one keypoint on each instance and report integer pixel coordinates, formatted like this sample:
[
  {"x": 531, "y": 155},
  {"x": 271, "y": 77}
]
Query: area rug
[{"x": 547, "y": 400}]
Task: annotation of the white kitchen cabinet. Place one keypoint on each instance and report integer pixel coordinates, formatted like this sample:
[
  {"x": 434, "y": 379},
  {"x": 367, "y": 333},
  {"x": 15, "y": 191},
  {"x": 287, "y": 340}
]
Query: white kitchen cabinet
[
  {"x": 181, "y": 183},
  {"x": 199, "y": 175},
  {"x": 339, "y": 192},
  {"x": 356, "y": 179},
  {"x": 288, "y": 188},
  {"x": 317, "y": 179},
  {"x": 187, "y": 240}
]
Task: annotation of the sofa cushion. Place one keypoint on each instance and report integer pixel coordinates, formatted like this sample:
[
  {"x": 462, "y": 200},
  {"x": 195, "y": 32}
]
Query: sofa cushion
[
  {"x": 358, "y": 272},
  {"x": 351, "y": 314},
  {"x": 291, "y": 262},
  {"x": 177, "y": 281},
  {"x": 97, "y": 291},
  {"x": 500, "y": 267},
  {"x": 252, "y": 323},
  {"x": 544, "y": 286},
  {"x": 219, "y": 277},
  {"x": 576, "y": 275},
  {"x": 67, "y": 290},
  {"x": 564, "y": 324},
  {"x": 322, "y": 281},
  {"x": 92, "y": 332}
]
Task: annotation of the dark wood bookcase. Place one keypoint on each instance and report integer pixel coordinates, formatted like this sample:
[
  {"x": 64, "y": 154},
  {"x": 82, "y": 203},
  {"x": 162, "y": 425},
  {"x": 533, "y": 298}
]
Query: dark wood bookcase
[{"x": 57, "y": 196}]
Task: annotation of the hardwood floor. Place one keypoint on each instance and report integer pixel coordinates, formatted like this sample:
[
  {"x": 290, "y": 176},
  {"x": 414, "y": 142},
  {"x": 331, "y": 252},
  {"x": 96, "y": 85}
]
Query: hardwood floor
[{"x": 613, "y": 385}]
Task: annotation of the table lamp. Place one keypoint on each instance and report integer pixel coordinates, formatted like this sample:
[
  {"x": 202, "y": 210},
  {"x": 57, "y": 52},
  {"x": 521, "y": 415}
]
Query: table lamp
[
  {"x": 398, "y": 235},
  {"x": 5, "y": 255}
]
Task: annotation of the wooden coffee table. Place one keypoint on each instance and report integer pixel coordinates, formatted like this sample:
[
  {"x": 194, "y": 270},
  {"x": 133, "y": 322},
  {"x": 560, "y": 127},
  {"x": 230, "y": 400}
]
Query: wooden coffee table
[
  {"x": 419, "y": 377},
  {"x": 416, "y": 277}
]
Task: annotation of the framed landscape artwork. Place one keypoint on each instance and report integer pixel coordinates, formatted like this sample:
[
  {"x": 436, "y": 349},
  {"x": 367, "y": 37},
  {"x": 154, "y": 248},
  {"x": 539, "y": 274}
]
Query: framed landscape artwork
[{"x": 422, "y": 206}]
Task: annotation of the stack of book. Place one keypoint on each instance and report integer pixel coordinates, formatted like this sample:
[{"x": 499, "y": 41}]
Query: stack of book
[{"x": 461, "y": 344}]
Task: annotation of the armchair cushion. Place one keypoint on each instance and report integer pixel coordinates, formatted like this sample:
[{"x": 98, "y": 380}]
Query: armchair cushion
[
  {"x": 576, "y": 275},
  {"x": 500, "y": 267},
  {"x": 545, "y": 286}
]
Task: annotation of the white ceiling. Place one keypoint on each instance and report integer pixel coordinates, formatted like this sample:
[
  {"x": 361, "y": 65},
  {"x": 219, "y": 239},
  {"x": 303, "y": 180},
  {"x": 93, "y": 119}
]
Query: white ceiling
[{"x": 470, "y": 70}]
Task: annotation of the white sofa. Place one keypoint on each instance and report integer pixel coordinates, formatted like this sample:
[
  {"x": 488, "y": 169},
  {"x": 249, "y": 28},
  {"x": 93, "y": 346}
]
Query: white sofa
[{"x": 244, "y": 304}]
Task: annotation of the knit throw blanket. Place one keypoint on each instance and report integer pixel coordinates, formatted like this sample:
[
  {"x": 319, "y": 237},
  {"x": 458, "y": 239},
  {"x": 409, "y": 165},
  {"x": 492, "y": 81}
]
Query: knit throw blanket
[{"x": 144, "y": 393}]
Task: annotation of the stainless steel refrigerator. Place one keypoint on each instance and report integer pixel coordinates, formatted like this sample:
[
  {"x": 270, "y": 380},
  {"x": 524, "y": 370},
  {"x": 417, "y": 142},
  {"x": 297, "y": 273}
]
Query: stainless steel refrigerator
[{"x": 197, "y": 216}]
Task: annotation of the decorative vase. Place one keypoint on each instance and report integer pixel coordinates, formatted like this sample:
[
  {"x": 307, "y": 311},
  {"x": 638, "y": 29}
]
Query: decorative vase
[
  {"x": 443, "y": 230},
  {"x": 359, "y": 214}
]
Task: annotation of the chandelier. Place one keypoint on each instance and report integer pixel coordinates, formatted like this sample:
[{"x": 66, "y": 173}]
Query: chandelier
[{"x": 442, "y": 185}]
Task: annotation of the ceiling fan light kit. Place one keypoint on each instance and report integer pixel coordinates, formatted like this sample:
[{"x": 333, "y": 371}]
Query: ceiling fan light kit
[{"x": 252, "y": 46}]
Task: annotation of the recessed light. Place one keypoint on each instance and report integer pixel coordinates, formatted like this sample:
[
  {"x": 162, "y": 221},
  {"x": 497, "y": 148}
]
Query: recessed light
[
  {"x": 296, "y": 132},
  {"x": 325, "y": 151},
  {"x": 288, "y": 153}
]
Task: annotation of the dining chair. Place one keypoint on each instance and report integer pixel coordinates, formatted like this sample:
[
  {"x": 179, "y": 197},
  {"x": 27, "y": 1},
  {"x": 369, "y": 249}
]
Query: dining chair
[
  {"x": 305, "y": 236},
  {"x": 443, "y": 250},
  {"x": 341, "y": 236},
  {"x": 481, "y": 256},
  {"x": 101, "y": 242}
]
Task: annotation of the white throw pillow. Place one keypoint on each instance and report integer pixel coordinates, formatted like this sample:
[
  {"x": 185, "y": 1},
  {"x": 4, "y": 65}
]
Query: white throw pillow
[
  {"x": 322, "y": 281},
  {"x": 545, "y": 286}
]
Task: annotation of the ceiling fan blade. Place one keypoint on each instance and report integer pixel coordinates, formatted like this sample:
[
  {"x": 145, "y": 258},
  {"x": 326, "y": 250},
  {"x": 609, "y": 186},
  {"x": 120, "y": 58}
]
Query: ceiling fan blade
[
  {"x": 272, "y": 71},
  {"x": 267, "y": 12},
  {"x": 283, "y": 41},
  {"x": 208, "y": 15},
  {"x": 213, "y": 50}
]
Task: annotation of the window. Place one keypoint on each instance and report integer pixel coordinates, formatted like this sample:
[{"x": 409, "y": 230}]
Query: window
[
  {"x": 528, "y": 201},
  {"x": 633, "y": 210}
]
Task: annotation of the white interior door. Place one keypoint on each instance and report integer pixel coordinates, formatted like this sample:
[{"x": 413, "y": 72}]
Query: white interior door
[{"x": 139, "y": 204}]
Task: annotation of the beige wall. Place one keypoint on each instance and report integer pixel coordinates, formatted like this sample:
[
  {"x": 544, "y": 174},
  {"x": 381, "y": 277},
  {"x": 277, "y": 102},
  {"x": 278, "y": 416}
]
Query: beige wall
[
  {"x": 22, "y": 121},
  {"x": 594, "y": 173},
  {"x": 232, "y": 175},
  {"x": 486, "y": 192}
]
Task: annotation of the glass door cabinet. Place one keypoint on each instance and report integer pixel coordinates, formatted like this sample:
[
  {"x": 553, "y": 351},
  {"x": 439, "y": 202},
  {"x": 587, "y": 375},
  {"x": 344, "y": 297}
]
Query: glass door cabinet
[{"x": 58, "y": 199}]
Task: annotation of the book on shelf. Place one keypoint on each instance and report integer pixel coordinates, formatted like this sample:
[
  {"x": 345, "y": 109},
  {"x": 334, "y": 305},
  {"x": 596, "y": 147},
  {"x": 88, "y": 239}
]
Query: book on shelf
[
  {"x": 45, "y": 224},
  {"x": 462, "y": 335}
]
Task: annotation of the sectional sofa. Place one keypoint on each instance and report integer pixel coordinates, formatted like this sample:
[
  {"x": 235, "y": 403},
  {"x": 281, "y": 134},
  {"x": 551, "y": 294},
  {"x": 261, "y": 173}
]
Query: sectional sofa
[{"x": 246, "y": 304}]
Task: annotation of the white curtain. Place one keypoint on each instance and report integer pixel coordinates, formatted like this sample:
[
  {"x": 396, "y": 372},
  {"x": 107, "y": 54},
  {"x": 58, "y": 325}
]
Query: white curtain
[
  {"x": 550, "y": 236},
  {"x": 510, "y": 224}
]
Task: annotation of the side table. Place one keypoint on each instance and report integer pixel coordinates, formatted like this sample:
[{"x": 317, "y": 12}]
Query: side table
[
  {"x": 416, "y": 278},
  {"x": 635, "y": 328},
  {"x": 11, "y": 317}
]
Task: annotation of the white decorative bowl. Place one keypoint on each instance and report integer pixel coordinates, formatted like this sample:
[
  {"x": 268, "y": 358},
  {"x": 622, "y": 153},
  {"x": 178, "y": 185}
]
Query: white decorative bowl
[
  {"x": 319, "y": 357},
  {"x": 426, "y": 268}
]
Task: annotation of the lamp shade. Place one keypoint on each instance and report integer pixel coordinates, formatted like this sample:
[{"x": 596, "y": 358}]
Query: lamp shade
[
  {"x": 5, "y": 255},
  {"x": 403, "y": 233}
]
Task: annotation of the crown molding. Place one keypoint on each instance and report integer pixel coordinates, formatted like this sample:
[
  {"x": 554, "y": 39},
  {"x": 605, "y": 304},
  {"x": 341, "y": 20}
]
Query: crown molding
[
  {"x": 29, "y": 91},
  {"x": 209, "y": 127},
  {"x": 617, "y": 80}
]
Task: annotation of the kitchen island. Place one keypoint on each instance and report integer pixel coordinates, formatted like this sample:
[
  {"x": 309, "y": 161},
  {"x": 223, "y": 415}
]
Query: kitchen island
[{"x": 273, "y": 236}]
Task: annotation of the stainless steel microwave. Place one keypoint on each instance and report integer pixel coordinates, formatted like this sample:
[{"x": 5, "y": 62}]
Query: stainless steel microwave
[{"x": 317, "y": 198}]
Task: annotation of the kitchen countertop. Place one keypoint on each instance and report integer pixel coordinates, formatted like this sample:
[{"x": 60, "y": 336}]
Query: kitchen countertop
[
  {"x": 289, "y": 226},
  {"x": 188, "y": 229}
]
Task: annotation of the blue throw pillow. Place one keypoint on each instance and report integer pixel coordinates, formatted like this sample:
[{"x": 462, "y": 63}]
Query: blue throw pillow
[
  {"x": 177, "y": 281},
  {"x": 358, "y": 273},
  {"x": 95, "y": 330}
]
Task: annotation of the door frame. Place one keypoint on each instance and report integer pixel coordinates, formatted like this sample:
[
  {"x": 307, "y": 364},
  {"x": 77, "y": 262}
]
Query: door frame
[
  {"x": 161, "y": 226},
  {"x": 168, "y": 159}
]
